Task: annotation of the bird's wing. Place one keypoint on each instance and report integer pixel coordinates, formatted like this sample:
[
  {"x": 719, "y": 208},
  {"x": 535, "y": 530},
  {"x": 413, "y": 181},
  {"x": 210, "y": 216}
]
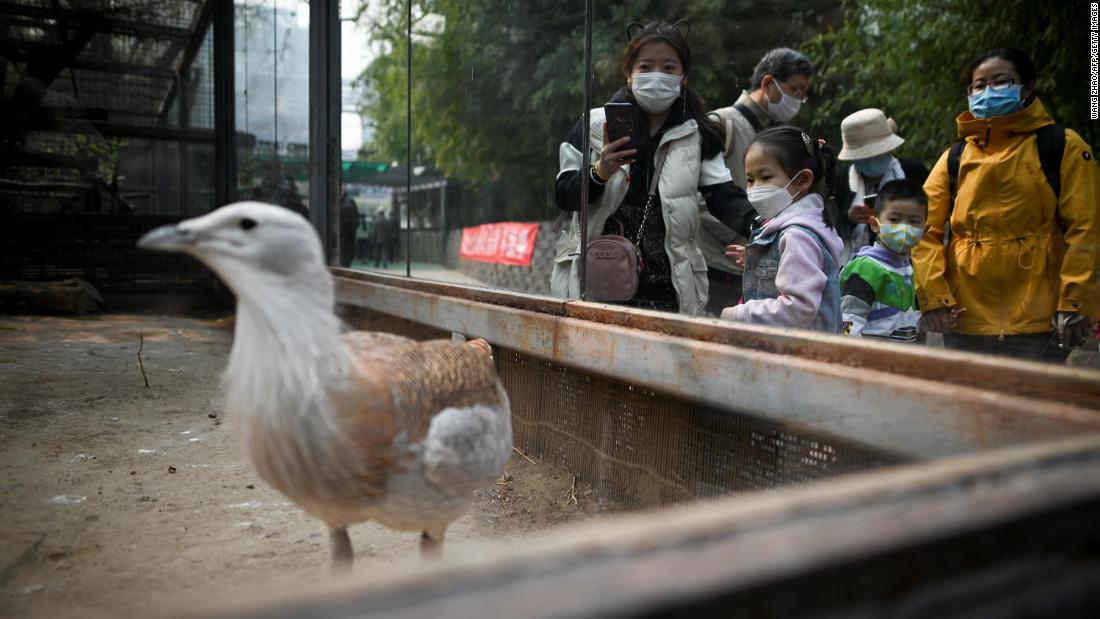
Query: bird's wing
[
  {"x": 365, "y": 344},
  {"x": 467, "y": 446},
  {"x": 355, "y": 469},
  {"x": 446, "y": 398}
]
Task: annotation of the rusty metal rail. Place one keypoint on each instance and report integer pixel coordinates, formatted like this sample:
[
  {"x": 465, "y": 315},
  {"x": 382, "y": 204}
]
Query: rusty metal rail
[
  {"x": 912, "y": 401},
  {"x": 1010, "y": 533}
]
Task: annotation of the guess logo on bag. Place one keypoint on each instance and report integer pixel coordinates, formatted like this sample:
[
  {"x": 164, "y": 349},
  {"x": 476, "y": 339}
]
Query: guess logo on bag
[{"x": 604, "y": 254}]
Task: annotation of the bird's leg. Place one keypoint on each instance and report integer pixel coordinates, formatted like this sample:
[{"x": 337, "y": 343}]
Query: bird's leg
[
  {"x": 341, "y": 549},
  {"x": 431, "y": 545}
]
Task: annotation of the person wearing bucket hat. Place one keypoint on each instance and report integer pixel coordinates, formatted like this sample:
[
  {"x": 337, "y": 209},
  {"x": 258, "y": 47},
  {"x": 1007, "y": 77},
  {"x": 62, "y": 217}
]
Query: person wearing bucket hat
[
  {"x": 869, "y": 141},
  {"x": 779, "y": 83}
]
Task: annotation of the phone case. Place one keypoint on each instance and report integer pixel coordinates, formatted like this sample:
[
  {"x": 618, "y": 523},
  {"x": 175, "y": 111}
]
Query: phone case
[{"x": 620, "y": 123}]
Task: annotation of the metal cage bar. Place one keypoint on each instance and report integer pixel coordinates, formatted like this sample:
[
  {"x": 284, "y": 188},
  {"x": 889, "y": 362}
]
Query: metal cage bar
[{"x": 887, "y": 406}]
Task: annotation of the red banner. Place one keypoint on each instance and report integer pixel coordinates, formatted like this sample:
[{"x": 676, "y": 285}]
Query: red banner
[{"x": 502, "y": 243}]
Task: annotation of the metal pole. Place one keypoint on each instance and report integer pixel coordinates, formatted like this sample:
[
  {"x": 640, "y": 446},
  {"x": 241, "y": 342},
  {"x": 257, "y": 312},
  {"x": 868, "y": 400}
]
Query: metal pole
[
  {"x": 585, "y": 147},
  {"x": 324, "y": 122},
  {"x": 408, "y": 139},
  {"x": 443, "y": 224},
  {"x": 225, "y": 143}
]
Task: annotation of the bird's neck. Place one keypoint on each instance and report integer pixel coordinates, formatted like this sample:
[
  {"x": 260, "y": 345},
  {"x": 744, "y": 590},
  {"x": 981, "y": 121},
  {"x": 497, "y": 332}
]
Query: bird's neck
[{"x": 287, "y": 353}]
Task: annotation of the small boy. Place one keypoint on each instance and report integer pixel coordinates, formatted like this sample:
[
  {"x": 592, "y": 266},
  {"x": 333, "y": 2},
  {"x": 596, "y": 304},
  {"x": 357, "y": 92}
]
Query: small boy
[{"x": 876, "y": 286}]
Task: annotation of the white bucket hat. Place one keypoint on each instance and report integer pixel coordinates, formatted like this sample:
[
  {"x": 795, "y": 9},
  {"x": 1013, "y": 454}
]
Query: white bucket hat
[{"x": 868, "y": 133}]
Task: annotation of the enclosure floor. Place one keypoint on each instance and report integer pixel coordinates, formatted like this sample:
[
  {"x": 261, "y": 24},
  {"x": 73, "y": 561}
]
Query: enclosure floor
[{"x": 118, "y": 499}]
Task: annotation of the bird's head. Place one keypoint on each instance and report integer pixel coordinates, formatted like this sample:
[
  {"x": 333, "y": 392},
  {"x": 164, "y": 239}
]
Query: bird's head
[{"x": 249, "y": 244}]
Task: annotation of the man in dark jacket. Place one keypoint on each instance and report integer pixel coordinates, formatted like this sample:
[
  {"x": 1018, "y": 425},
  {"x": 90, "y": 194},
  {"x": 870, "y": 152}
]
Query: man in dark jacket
[
  {"x": 349, "y": 223},
  {"x": 379, "y": 239}
]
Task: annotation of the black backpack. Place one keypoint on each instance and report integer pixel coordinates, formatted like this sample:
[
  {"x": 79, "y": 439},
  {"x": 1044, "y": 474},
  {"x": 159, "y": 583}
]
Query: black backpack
[{"x": 1051, "y": 140}]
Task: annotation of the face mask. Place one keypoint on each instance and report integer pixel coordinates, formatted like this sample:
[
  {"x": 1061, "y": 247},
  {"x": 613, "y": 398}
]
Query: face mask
[
  {"x": 770, "y": 200},
  {"x": 875, "y": 166},
  {"x": 989, "y": 103},
  {"x": 655, "y": 91},
  {"x": 787, "y": 107},
  {"x": 899, "y": 238}
]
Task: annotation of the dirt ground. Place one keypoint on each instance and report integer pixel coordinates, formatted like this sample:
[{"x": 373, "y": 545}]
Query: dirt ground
[{"x": 120, "y": 498}]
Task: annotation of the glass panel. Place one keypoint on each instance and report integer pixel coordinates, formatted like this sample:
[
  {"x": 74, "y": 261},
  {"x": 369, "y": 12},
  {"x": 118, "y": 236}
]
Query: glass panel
[
  {"x": 494, "y": 90},
  {"x": 272, "y": 97},
  {"x": 374, "y": 136},
  {"x": 372, "y": 133}
]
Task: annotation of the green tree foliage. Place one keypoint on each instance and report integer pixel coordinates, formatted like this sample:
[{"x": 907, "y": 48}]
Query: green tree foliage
[
  {"x": 907, "y": 58},
  {"x": 496, "y": 88}
]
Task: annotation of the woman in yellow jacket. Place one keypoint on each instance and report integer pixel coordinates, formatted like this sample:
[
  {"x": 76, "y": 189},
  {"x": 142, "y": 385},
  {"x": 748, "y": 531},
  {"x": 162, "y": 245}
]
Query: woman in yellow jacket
[{"x": 1018, "y": 275}]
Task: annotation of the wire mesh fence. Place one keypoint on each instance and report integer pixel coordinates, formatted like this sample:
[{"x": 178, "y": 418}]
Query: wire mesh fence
[
  {"x": 98, "y": 248},
  {"x": 641, "y": 448}
]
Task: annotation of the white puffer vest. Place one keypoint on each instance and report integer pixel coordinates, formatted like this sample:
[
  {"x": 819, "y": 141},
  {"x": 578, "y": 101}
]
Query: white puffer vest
[{"x": 677, "y": 187}]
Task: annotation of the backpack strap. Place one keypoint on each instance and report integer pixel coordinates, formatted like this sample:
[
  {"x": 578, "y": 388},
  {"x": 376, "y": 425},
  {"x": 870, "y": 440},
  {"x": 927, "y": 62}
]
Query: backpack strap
[
  {"x": 749, "y": 116},
  {"x": 1051, "y": 143},
  {"x": 728, "y": 124},
  {"x": 954, "y": 155},
  {"x": 1051, "y": 140}
]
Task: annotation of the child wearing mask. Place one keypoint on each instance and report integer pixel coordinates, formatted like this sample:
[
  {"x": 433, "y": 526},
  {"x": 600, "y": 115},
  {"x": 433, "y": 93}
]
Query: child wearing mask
[
  {"x": 877, "y": 297},
  {"x": 791, "y": 262}
]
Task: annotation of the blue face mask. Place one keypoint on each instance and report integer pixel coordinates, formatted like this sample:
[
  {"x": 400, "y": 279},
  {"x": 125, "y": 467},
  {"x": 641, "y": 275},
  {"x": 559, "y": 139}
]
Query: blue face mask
[
  {"x": 989, "y": 103},
  {"x": 874, "y": 166}
]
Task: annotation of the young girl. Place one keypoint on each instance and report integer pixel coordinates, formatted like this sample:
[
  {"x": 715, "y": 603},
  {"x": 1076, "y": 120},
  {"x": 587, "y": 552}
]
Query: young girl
[
  {"x": 791, "y": 262},
  {"x": 669, "y": 116}
]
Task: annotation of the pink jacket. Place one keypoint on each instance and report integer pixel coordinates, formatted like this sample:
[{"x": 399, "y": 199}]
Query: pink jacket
[{"x": 801, "y": 277}]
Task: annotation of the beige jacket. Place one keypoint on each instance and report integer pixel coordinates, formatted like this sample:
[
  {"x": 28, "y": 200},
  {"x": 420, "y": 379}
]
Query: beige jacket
[
  {"x": 715, "y": 236},
  {"x": 678, "y": 187}
]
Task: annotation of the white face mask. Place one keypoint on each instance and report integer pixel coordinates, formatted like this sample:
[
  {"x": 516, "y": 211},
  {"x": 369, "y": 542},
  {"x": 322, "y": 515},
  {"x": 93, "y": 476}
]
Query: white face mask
[
  {"x": 787, "y": 107},
  {"x": 770, "y": 200},
  {"x": 655, "y": 91}
]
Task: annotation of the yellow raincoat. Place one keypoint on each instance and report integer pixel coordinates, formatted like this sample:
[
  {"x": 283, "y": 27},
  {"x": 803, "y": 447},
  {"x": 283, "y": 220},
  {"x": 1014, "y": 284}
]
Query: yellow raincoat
[{"x": 1015, "y": 257}]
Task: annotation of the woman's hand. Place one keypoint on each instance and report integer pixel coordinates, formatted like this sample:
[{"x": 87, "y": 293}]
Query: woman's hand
[
  {"x": 943, "y": 320},
  {"x": 860, "y": 213},
  {"x": 737, "y": 252},
  {"x": 1077, "y": 333},
  {"x": 611, "y": 158}
]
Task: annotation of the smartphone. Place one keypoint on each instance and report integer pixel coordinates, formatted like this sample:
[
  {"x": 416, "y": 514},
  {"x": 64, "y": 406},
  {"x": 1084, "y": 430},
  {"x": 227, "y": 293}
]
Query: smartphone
[
  {"x": 869, "y": 199},
  {"x": 620, "y": 123}
]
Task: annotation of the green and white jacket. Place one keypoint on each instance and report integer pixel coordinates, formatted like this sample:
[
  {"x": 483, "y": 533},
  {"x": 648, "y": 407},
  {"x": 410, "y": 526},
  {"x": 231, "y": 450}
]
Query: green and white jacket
[{"x": 877, "y": 297}]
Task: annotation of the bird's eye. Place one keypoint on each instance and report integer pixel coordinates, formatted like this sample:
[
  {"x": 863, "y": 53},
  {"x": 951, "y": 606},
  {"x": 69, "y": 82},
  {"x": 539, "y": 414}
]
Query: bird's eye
[{"x": 248, "y": 224}]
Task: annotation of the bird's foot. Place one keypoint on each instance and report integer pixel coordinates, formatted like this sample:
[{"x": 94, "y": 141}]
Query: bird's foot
[
  {"x": 341, "y": 551},
  {"x": 431, "y": 547}
]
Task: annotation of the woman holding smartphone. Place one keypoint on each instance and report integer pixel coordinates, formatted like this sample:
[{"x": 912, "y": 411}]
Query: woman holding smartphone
[{"x": 670, "y": 120}]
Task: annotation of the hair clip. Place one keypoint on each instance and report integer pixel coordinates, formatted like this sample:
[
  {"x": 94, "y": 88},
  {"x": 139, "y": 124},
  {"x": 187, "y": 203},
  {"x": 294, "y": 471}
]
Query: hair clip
[
  {"x": 684, "y": 26},
  {"x": 808, "y": 143}
]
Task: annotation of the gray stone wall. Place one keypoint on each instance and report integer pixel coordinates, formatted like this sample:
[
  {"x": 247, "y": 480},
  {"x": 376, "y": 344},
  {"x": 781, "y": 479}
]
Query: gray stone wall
[{"x": 534, "y": 279}]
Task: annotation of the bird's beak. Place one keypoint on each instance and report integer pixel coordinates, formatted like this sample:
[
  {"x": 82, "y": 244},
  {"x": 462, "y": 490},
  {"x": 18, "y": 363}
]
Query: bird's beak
[{"x": 166, "y": 238}]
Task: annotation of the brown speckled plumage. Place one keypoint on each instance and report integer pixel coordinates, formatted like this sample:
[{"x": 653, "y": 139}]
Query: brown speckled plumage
[{"x": 352, "y": 427}]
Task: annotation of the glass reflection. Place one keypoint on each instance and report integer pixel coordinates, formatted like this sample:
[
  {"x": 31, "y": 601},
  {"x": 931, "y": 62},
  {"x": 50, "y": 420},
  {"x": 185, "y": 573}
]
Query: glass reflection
[
  {"x": 495, "y": 87},
  {"x": 272, "y": 95}
]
